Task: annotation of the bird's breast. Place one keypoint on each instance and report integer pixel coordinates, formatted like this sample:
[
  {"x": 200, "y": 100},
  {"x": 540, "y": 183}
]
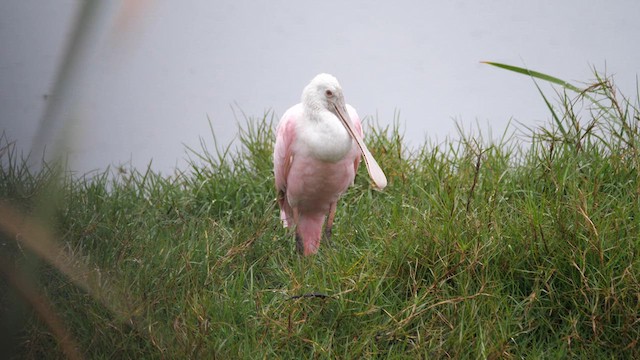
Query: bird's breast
[{"x": 313, "y": 184}]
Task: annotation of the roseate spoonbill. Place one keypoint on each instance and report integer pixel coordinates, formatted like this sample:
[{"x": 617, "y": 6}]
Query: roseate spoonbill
[{"x": 316, "y": 156}]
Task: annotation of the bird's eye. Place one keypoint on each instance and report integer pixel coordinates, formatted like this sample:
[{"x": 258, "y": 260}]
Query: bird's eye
[{"x": 329, "y": 93}]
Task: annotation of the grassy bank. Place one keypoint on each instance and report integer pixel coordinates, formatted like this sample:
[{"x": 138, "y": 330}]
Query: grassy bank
[{"x": 526, "y": 246}]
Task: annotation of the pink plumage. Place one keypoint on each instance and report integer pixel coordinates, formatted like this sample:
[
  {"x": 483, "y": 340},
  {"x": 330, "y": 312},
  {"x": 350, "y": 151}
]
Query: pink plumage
[{"x": 316, "y": 156}]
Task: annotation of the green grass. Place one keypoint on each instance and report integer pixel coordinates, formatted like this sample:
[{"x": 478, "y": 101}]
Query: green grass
[{"x": 523, "y": 246}]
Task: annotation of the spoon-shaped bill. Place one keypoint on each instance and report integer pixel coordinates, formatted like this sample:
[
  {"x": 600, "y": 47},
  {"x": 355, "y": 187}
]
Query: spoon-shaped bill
[{"x": 375, "y": 172}]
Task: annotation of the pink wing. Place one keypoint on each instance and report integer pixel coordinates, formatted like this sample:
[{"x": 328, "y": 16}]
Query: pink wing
[{"x": 282, "y": 158}]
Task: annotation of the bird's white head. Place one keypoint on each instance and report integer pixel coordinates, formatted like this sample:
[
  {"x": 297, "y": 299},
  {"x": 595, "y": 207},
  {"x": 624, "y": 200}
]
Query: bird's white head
[{"x": 323, "y": 93}]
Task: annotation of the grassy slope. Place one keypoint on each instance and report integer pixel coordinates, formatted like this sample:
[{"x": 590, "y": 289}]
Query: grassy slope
[{"x": 522, "y": 248}]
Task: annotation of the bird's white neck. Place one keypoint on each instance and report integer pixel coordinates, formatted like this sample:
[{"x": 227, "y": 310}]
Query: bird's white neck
[{"x": 323, "y": 136}]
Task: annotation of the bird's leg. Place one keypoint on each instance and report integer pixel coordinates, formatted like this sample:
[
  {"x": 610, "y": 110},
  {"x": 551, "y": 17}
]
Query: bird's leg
[
  {"x": 299, "y": 242},
  {"x": 329, "y": 225}
]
